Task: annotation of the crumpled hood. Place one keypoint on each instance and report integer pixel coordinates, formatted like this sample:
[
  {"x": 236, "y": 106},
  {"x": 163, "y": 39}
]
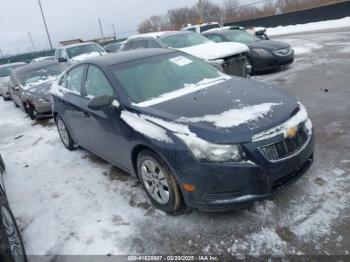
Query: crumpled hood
[
  {"x": 41, "y": 90},
  {"x": 211, "y": 50},
  {"x": 228, "y": 112}
]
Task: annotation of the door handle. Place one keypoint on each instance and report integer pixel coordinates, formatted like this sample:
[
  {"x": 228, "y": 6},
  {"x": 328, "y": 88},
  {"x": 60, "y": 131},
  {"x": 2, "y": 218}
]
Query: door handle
[{"x": 87, "y": 114}]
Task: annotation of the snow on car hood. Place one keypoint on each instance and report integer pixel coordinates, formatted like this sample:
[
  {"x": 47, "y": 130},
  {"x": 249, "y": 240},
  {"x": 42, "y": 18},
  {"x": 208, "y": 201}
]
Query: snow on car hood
[
  {"x": 83, "y": 57},
  {"x": 212, "y": 51}
]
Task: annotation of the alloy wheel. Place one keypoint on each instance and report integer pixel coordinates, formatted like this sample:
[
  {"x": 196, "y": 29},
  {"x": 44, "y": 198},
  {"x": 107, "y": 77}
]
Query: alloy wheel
[
  {"x": 155, "y": 181},
  {"x": 62, "y": 130}
]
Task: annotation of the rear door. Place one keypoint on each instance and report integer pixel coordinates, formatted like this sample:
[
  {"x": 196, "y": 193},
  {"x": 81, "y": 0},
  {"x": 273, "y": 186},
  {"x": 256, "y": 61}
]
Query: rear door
[
  {"x": 70, "y": 104},
  {"x": 105, "y": 129}
]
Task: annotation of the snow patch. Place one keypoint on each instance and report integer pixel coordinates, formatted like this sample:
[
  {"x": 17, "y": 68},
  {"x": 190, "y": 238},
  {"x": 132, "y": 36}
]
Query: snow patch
[
  {"x": 309, "y": 27},
  {"x": 187, "y": 89},
  {"x": 234, "y": 117},
  {"x": 83, "y": 57},
  {"x": 282, "y": 129},
  {"x": 141, "y": 125}
]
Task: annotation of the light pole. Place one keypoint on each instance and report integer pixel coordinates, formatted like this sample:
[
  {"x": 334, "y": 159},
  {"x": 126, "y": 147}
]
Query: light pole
[
  {"x": 47, "y": 30},
  {"x": 99, "y": 22},
  {"x": 114, "y": 33},
  {"x": 31, "y": 40}
]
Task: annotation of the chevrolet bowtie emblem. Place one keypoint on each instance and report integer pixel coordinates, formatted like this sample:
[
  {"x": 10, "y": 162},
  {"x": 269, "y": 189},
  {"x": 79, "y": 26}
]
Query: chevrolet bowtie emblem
[{"x": 291, "y": 132}]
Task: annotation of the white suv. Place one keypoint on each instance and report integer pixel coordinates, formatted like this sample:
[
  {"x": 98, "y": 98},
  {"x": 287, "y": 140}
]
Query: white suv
[{"x": 78, "y": 52}]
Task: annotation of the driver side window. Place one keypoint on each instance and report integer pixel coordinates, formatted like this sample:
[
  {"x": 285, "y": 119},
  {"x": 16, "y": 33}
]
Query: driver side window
[{"x": 97, "y": 83}]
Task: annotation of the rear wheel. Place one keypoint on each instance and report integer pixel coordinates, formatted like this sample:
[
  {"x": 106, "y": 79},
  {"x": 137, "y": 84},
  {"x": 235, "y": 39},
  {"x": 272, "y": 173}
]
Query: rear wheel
[
  {"x": 64, "y": 134},
  {"x": 11, "y": 244},
  {"x": 159, "y": 182}
]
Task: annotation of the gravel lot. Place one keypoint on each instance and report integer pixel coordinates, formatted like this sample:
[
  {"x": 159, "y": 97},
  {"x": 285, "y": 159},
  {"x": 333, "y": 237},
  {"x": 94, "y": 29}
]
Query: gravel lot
[{"x": 75, "y": 203}]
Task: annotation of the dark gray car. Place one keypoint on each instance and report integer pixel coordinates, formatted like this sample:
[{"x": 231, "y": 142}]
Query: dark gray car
[
  {"x": 31, "y": 86},
  {"x": 264, "y": 55}
]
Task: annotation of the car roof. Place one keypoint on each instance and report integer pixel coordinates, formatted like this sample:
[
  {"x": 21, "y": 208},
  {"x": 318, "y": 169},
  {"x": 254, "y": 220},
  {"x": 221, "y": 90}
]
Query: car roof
[
  {"x": 12, "y": 64},
  {"x": 127, "y": 56},
  {"x": 74, "y": 45},
  {"x": 159, "y": 34},
  {"x": 34, "y": 66}
]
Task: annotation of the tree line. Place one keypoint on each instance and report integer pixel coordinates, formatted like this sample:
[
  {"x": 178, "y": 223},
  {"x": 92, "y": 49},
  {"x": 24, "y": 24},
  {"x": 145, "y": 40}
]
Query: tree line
[{"x": 230, "y": 11}]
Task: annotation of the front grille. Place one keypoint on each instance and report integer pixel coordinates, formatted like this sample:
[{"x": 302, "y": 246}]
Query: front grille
[
  {"x": 235, "y": 65},
  {"x": 286, "y": 147}
]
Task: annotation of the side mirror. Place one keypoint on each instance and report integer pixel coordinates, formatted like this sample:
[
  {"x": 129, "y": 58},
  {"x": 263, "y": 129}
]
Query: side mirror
[
  {"x": 16, "y": 88},
  {"x": 62, "y": 60},
  {"x": 102, "y": 102}
]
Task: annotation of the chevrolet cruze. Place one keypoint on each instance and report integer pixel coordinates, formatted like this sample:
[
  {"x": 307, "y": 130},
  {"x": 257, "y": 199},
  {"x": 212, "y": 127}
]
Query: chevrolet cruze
[{"x": 192, "y": 135}]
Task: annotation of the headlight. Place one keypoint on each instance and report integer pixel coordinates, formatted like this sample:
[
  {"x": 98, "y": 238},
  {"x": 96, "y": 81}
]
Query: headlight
[
  {"x": 206, "y": 151},
  {"x": 283, "y": 52},
  {"x": 261, "y": 52}
]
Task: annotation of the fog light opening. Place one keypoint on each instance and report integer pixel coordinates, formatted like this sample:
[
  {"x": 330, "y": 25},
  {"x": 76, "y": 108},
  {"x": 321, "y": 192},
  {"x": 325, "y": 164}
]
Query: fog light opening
[{"x": 189, "y": 187}]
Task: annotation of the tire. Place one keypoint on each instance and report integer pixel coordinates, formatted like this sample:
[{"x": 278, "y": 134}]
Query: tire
[
  {"x": 11, "y": 244},
  {"x": 64, "y": 134},
  {"x": 156, "y": 177},
  {"x": 30, "y": 111}
]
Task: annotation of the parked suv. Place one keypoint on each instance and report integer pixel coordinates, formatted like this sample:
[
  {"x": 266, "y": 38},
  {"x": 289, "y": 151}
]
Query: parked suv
[
  {"x": 200, "y": 28},
  {"x": 192, "y": 134},
  {"x": 227, "y": 57},
  {"x": 78, "y": 52}
]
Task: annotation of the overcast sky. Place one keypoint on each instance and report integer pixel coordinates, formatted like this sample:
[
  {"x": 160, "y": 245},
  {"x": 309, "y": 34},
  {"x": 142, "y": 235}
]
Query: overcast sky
[{"x": 69, "y": 19}]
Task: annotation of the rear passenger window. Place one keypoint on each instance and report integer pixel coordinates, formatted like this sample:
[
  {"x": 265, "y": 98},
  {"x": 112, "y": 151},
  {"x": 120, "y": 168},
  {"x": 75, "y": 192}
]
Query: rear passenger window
[
  {"x": 97, "y": 83},
  {"x": 75, "y": 78}
]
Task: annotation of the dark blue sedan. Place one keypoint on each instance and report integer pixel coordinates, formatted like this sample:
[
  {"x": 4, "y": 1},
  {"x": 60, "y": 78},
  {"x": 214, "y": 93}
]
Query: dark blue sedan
[{"x": 192, "y": 135}]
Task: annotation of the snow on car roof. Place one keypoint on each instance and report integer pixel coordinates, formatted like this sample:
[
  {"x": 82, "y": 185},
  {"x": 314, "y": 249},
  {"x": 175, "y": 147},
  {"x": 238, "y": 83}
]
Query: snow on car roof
[
  {"x": 12, "y": 64},
  {"x": 153, "y": 35}
]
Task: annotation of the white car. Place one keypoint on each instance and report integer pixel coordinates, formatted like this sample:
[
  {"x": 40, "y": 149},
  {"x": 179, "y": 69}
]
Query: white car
[
  {"x": 5, "y": 71},
  {"x": 78, "y": 52},
  {"x": 227, "y": 57}
]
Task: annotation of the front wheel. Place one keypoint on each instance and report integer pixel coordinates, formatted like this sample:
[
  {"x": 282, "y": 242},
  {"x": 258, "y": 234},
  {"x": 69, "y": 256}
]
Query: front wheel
[
  {"x": 64, "y": 134},
  {"x": 159, "y": 182},
  {"x": 11, "y": 244}
]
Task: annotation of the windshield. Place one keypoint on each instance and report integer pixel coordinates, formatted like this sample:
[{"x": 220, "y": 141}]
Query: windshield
[
  {"x": 6, "y": 71},
  {"x": 41, "y": 74},
  {"x": 163, "y": 74},
  {"x": 184, "y": 40},
  {"x": 83, "y": 49},
  {"x": 241, "y": 37}
]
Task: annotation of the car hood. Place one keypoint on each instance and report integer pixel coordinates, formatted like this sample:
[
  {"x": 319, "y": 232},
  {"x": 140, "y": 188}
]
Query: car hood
[
  {"x": 229, "y": 112},
  {"x": 211, "y": 50},
  {"x": 268, "y": 45}
]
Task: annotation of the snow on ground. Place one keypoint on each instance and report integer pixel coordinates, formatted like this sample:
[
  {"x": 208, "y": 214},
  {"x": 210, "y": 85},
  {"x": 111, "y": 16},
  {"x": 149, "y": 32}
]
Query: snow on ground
[{"x": 308, "y": 27}]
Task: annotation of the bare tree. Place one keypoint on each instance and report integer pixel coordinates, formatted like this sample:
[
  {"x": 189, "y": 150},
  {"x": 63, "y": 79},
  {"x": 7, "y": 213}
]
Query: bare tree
[
  {"x": 145, "y": 27},
  {"x": 231, "y": 9}
]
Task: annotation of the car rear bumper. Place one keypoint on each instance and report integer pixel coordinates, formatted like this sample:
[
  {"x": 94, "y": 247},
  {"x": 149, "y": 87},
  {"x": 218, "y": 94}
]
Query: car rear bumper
[{"x": 230, "y": 186}]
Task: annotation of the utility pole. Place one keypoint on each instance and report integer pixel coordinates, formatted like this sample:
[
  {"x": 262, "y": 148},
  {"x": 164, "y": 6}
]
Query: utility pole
[
  {"x": 1, "y": 52},
  {"x": 114, "y": 33},
  {"x": 99, "y": 22},
  {"x": 31, "y": 40},
  {"x": 47, "y": 30}
]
